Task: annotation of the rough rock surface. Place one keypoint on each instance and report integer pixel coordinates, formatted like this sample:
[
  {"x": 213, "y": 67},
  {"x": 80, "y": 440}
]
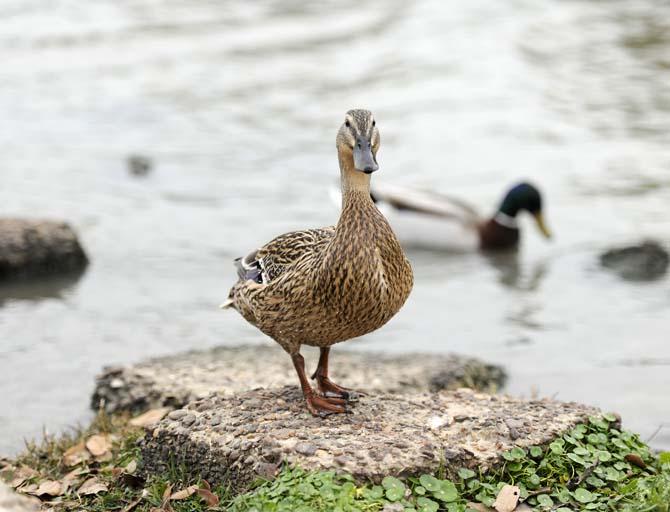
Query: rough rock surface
[
  {"x": 30, "y": 247},
  {"x": 236, "y": 438},
  {"x": 643, "y": 262},
  {"x": 12, "y": 502},
  {"x": 176, "y": 380}
]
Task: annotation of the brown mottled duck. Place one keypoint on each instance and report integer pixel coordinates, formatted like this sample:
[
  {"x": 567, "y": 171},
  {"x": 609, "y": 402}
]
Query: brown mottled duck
[{"x": 322, "y": 286}]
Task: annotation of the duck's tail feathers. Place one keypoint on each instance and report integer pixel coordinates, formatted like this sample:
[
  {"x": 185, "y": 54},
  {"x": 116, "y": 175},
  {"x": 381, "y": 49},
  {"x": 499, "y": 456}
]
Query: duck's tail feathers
[{"x": 229, "y": 303}]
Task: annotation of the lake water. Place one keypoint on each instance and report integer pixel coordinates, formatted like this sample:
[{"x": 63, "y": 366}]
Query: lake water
[{"x": 238, "y": 105}]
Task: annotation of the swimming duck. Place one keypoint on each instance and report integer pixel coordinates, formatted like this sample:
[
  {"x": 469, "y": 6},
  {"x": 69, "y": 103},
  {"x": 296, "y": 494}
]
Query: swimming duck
[
  {"x": 323, "y": 286},
  {"x": 437, "y": 221}
]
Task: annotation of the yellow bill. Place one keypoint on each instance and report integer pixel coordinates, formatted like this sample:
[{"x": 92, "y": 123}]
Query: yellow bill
[{"x": 539, "y": 220}]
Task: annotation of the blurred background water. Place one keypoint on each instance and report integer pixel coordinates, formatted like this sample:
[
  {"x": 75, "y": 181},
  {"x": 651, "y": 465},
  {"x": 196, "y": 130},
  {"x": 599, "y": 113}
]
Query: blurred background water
[{"x": 238, "y": 104}]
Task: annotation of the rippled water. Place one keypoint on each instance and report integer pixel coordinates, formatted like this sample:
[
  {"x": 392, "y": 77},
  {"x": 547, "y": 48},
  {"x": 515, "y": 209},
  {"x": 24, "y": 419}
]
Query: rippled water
[{"x": 238, "y": 105}]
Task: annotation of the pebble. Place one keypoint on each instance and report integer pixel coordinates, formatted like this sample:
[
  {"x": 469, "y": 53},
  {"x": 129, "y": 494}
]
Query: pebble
[
  {"x": 188, "y": 420},
  {"x": 178, "y": 414},
  {"x": 305, "y": 449}
]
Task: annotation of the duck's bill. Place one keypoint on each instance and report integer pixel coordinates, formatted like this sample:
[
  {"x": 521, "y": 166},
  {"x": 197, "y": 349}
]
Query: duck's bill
[
  {"x": 364, "y": 160},
  {"x": 539, "y": 220}
]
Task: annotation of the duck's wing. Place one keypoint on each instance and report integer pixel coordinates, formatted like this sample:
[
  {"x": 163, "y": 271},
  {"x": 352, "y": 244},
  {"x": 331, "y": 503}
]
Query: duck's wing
[
  {"x": 270, "y": 261},
  {"x": 424, "y": 202}
]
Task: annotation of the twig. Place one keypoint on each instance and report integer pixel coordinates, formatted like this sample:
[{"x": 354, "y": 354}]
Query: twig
[
  {"x": 572, "y": 484},
  {"x": 542, "y": 490}
]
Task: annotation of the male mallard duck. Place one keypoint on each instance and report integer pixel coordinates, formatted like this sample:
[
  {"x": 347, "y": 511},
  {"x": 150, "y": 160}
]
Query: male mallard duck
[
  {"x": 433, "y": 220},
  {"x": 322, "y": 286}
]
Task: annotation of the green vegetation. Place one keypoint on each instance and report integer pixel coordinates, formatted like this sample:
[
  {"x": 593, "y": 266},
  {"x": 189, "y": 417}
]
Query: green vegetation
[{"x": 593, "y": 467}]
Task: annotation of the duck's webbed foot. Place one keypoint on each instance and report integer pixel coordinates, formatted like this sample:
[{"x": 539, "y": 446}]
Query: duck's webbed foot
[
  {"x": 331, "y": 390},
  {"x": 327, "y": 387},
  {"x": 323, "y": 406},
  {"x": 316, "y": 404}
]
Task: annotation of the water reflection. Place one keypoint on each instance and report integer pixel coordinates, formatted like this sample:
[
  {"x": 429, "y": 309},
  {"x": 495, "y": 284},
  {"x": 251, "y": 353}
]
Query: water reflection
[
  {"x": 38, "y": 289},
  {"x": 513, "y": 274}
]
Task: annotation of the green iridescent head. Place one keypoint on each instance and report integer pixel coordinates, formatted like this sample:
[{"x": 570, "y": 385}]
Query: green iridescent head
[{"x": 525, "y": 196}]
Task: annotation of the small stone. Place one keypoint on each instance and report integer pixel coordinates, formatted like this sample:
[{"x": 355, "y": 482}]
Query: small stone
[
  {"x": 116, "y": 383},
  {"x": 305, "y": 449},
  {"x": 188, "y": 420},
  {"x": 215, "y": 421},
  {"x": 177, "y": 415}
]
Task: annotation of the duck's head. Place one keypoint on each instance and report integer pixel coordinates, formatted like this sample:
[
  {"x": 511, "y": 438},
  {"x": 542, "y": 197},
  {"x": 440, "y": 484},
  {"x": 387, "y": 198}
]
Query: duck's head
[
  {"x": 358, "y": 140},
  {"x": 525, "y": 196}
]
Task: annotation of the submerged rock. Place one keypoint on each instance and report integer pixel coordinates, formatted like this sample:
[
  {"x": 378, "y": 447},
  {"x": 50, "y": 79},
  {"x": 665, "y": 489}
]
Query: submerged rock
[
  {"x": 257, "y": 431},
  {"x": 643, "y": 262},
  {"x": 38, "y": 247},
  {"x": 139, "y": 165},
  {"x": 174, "y": 381}
]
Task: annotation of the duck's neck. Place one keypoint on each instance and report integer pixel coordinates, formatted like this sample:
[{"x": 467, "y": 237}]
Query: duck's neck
[{"x": 355, "y": 184}]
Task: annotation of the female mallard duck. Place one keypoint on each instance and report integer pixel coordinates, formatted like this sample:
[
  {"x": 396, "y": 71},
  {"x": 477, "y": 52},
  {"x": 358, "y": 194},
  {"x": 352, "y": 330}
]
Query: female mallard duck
[
  {"x": 322, "y": 286},
  {"x": 436, "y": 221}
]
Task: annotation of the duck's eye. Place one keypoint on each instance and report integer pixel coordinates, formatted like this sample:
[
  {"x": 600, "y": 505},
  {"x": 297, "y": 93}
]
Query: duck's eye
[
  {"x": 347, "y": 124},
  {"x": 359, "y": 145},
  {"x": 374, "y": 123}
]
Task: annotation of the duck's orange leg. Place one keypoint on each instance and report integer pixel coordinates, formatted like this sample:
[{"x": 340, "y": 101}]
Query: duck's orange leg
[
  {"x": 327, "y": 387},
  {"x": 317, "y": 405}
]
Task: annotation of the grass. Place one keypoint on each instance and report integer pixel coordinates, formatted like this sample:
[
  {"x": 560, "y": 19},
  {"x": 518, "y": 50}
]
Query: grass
[
  {"x": 115, "y": 470},
  {"x": 593, "y": 467}
]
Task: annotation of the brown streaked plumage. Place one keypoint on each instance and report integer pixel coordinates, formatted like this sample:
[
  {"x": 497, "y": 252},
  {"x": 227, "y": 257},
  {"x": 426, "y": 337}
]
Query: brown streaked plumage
[{"x": 323, "y": 286}]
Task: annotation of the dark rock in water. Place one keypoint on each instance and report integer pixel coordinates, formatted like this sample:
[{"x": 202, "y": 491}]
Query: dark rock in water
[
  {"x": 643, "y": 262},
  {"x": 385, "y": 434},
  {"x": 139, "y": 165},
  {"x": 174, "y": 381},
  {"x": 38, "y": 247}
]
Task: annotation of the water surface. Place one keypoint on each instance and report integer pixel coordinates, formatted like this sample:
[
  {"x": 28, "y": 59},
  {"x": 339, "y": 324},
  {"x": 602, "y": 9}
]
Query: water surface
[{"x": 239, "y": 106}]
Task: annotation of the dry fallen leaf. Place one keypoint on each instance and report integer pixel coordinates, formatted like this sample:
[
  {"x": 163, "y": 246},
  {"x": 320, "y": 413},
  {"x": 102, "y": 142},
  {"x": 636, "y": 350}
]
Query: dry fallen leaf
[
  {"x": 92, "y": 486},
  {"x": 635, "y": 460},
  {"x": 508, "y": 499},
  {"x": 76, "y": 454},
  {"x": 98, "y": 445},
  {"x": 167, "y": 492},
  {"x": 149, "y": 417},
  {"x": 523, "y": 508},
  {"x": 49, "y": 488},
  {"x": 184, "y": 493},
  {"x": 210, "y": 498},
  {"x": 131, "y": 467},
  {"x": 75, "y": 473},
  {"x": 21, "y": 475},
  {"x": 28, "y": 489}
]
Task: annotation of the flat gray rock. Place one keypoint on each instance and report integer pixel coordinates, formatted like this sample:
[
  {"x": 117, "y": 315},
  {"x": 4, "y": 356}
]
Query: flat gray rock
[
  {"x": 38, "y": 247},
  {"x": 234, "y": 439},
  {"x": 177, "y": 380}
]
